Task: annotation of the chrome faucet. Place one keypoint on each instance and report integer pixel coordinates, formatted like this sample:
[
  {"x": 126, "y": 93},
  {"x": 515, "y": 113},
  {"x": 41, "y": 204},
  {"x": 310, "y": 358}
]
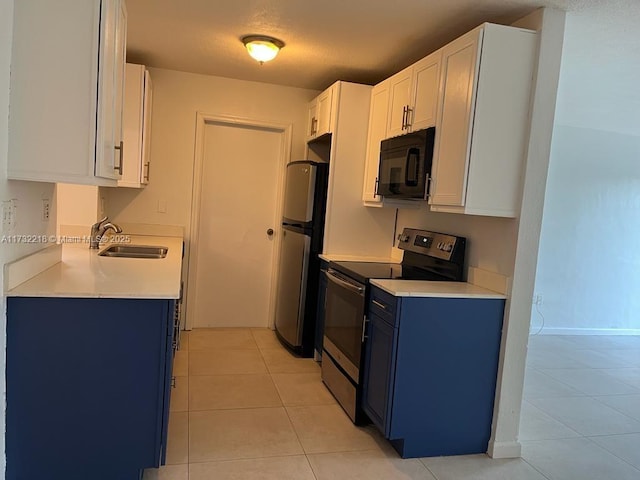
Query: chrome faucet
[{"x": 99, "y": 229}]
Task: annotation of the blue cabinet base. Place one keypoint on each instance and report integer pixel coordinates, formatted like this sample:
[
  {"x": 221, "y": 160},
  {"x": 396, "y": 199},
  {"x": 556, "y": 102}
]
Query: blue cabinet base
[
  {"x": 87, "y": 387},
  {"x": 430, "y": 372}
]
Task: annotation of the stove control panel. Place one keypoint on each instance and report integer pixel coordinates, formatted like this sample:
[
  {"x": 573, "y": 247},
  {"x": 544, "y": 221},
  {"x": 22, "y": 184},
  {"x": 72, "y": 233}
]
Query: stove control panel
[{"x": 439, "y": 245}]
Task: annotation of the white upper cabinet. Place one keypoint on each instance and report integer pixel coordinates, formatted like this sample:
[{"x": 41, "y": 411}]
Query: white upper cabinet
[
  {"x": 67, "y": 80},
  {"x": 376, "y": 133},
  {"x": 483, "y": 121},
  {"x": 399, "y": 98},
  {"x": 426, "y": 78},
  {"x": 136, "y": 126},
  {"x": 403, "y": 103},
  {"x": 413, "y": 97},
  {"x": 321, "y": 114}
]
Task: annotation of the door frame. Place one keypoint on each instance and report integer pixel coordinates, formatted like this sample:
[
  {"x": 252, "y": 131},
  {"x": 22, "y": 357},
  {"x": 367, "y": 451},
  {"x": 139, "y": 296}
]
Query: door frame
[{"x": 202, "y": 121}]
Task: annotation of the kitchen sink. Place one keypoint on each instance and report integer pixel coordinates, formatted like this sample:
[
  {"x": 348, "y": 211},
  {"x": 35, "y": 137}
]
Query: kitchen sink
[{"x": 134, "y": 251}]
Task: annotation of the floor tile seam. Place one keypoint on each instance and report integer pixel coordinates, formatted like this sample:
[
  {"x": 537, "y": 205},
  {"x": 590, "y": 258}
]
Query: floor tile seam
[
  {"x": 289, "y": 405},
  {"x": 349, "y": 450},
  {"x": 584, "y": 394},
  {"x": 216, "y": 374},
  {"x": 239, "y": 459},
  {"x": 222, "y": 349},
  {"x": 558, "y": 419},
  {"x": 605, "y": 449},
  {"x": 226, "y": 409},
  {"x": 313, "y": 472},
  {"x": 277, "y": 390},
  {"x": 295, "y": 431},
  {"x": 238, "y": 409},
  {"x": 535, "y": 468},
  {"x": 433, "y": 474},
  {"x": 633, "y": 419},
  {"x": 226, "y": 374}
]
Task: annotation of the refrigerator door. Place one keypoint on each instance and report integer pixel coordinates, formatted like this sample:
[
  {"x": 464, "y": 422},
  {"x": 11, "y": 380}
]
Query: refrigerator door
[
  {"x": 292, "y": 285},
  {"x": 299, "y": 192}
]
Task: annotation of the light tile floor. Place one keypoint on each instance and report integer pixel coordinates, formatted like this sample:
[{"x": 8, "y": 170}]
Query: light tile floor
[{"x": 244, "y": 408}]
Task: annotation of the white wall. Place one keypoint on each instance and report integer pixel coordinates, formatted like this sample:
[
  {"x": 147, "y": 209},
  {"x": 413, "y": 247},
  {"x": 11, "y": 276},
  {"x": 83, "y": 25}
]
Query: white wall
[
  {"x": 589, "y": 262},
  {"x": 77, "y": 205},
  {"x": 28, "y": 195},
  {"x": 491, "y": 242},
  {"x": 177, "y": 96}
]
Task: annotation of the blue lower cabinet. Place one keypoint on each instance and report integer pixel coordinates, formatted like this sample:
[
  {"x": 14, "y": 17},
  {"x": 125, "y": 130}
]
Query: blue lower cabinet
[
  {"x": 430, "y": 374},
  {"x": 379, "y": 370},
  {"x": 88, "y": 387}
]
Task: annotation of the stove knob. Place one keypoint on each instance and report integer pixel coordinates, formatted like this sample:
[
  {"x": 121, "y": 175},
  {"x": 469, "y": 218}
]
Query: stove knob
[{"x": 448, "y": 247}]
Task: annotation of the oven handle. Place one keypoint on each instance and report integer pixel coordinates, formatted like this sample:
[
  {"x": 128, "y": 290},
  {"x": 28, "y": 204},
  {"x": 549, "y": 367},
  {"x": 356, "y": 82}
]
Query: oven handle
[{"x": 349, "y": 286}]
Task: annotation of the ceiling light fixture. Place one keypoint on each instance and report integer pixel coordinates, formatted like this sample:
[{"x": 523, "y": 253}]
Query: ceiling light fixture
[{"x": 262, "y": 48}]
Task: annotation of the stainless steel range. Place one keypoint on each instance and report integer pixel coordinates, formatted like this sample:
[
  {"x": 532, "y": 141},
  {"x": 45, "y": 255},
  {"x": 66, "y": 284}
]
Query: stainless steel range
[{"x": 427, "y": 256}]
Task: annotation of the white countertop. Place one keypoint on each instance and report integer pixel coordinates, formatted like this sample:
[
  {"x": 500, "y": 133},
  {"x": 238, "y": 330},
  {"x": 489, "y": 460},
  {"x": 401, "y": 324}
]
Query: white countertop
[
  {"x": 83, "y": 273},
  {"x": 418, "y": 288}
]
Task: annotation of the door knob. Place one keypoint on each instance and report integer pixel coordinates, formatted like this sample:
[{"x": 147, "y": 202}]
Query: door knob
[{"x": 270, "y": 231}]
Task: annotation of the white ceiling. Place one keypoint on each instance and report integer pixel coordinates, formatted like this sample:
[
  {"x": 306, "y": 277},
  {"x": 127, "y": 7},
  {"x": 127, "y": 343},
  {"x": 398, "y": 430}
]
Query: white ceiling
[{"x": 326, "y": 40}]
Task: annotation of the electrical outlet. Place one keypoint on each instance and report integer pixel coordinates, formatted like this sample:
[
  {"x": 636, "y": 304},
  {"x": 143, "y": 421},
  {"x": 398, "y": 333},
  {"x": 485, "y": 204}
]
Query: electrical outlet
[
  {"x": 6, "y": 216},
  {"x": 537, "y": 299},
  {"x": 9, "y": 214},
  {"x": 46, "y": 209}
]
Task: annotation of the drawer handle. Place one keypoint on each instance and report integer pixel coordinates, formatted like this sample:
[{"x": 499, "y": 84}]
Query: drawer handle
[{"x": 378, "y": 304}]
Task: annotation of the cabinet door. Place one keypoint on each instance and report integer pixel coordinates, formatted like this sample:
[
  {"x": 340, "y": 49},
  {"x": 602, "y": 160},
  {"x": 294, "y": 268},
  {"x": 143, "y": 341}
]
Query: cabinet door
[
  {"x": 460, "y": 62},
  {"x": 323, "y": 124},
  {"x": 377, "y": 133},
  {"x": 399, "y": 99},
  {"x": 146, "y": 128},
  {"x": 136, "y": 127},
  {"x": 108, "y": 156},
  {"x": 426, "y": 78},
  {"x": 379, "y": 372},
  {"x": 312, "y": 125}
]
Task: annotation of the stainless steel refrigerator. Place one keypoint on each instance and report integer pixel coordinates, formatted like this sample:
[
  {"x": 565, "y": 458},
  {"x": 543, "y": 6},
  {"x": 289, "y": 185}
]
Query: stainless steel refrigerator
[{"x": 305, "y": 198}]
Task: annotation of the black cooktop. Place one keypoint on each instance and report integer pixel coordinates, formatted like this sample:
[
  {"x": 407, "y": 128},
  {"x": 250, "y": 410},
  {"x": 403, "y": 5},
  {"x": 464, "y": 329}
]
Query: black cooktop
[{"x": 364, "y": 271}]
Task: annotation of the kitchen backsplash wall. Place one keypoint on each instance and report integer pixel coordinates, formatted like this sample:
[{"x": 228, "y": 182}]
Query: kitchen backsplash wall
[
  {"x": 491, "y": 241},
  {"x": 77, "y": 205}
]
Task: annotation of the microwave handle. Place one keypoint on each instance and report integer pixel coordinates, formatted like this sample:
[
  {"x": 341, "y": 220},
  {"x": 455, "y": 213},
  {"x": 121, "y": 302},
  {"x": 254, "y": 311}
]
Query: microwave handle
[{"x": 412, "y": 152}]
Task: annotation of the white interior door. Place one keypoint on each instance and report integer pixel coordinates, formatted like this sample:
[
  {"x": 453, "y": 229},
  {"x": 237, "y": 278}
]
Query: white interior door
[{"x": 237, "y": 206}]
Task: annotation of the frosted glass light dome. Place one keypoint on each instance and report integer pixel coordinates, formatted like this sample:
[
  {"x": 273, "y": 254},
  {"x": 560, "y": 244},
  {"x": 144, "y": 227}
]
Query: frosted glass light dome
[{"x": 262, "y": 48}]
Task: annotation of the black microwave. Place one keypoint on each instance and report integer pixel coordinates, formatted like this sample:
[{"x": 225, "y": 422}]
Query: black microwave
[{"x": 405, "y": 165}]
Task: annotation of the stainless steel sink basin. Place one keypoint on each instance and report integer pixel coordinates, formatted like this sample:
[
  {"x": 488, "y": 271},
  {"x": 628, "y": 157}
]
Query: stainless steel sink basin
[{"x": 134, "y": 251}]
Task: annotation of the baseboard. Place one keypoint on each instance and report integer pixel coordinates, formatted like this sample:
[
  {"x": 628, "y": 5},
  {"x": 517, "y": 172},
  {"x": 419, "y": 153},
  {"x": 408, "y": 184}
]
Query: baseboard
[
  {"x": 504, "y": 449},
  {"x": 586, "y": 331}
]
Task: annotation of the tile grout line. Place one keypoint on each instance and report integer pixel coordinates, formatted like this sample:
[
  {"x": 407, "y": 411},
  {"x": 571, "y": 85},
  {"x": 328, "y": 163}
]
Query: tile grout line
[{"x": 611, "y": 452}]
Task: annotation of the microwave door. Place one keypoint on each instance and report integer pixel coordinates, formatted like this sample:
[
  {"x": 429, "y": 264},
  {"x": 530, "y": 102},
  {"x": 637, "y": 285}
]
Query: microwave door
[{"x": 412, "y": 168}]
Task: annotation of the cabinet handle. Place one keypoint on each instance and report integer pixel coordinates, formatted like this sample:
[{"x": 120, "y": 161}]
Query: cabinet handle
[
  {"x": 120, "y": 149},
  {"x": 404, "y": 117},
  {"x": 364, "y": 328},
  {"x": 375, "y": 188},
  {"x": 148, "y": 167},
  {"x": 378, "y": 304},
  {"x": 429, "y": 187},
  {"x": 409, "y": 119},
  {"x": 173, "y": 382},
  {"x": 315, "y": 125}
]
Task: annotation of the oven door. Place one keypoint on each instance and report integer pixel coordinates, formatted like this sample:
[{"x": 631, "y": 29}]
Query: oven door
[{"x": 344, "y": 319}]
